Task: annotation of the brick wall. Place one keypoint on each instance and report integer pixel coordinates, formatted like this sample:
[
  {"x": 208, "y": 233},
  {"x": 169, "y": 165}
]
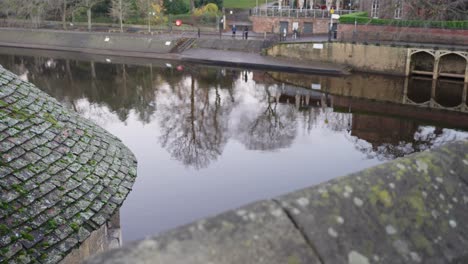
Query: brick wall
[
  {"x": 404, "y": 34},
  {"x": 269, "y": 24}
]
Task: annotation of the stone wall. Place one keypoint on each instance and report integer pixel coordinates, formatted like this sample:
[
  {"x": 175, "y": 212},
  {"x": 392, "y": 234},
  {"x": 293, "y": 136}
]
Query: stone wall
[
  {"x": 410, "y": 210},
  {"x": 367, "y": 58},
  {"x": 403, "y": 34},
  {"x": 108, "y": 236},
  {"x": 101, "y": 43},
  {"x": 272, "y": 24}
]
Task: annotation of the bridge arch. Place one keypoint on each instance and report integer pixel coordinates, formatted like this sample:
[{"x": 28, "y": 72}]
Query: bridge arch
[
  {"x": 449, "y": 93},
  {"x": 452, "y": 65},
  {"x": 422, "y": 62}
]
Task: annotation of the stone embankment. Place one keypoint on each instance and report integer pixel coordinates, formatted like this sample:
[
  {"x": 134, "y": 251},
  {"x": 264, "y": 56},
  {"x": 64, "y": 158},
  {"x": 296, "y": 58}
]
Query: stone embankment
[
  {"x": 225, "y": 52},
  {"x": 410, "y": 210},
  {"x": 62, "y": 178}
]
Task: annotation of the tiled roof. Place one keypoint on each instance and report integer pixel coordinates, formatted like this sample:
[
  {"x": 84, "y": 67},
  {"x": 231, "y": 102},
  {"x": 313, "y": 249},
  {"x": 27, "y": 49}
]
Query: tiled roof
[{"x": 61, "y": 176}]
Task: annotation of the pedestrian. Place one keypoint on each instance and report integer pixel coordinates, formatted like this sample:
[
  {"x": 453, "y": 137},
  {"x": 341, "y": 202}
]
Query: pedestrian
[
  {"x": 234, "y": 29},
  {"x": 295, "y": 33},
  {"x": 284, "y": 34},
  {"x": 198, "y": 32},
  {"x": 246, "y": 32}
]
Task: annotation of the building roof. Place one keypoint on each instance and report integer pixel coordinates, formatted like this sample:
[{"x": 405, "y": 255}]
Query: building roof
[{"x": 61, "y": 176}]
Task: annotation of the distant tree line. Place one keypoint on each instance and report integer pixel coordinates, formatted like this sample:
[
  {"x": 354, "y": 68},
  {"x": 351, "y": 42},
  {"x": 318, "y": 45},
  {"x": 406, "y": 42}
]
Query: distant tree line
[{"x": 119, "y": 10}]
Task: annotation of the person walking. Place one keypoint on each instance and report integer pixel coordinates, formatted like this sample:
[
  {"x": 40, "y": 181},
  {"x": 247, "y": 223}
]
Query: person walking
[
  {"x": 234, "y": 29},
  {"x": 246, "y": 32},
  {"x": 284, "y": 34}
]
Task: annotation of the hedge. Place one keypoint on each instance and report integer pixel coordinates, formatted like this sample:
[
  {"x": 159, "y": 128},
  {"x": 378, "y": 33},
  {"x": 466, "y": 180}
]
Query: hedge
[{"x": 362, "y": 18}]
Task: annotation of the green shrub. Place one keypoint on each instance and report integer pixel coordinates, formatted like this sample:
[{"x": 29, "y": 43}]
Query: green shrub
[
  {"x": 175, "y": 7},
  {"x": 362, "y": 18}
]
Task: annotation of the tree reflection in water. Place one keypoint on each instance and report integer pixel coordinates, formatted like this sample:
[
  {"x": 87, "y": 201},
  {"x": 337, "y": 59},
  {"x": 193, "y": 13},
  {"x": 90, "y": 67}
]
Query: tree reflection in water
[
  {"x": 273, "y": 127},
  {"x": 194, "y": 121},
  {"x": 199, "y": 109}
]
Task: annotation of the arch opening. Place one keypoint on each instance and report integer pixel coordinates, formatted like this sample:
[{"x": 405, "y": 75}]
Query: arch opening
[
  {"x": 419, "y": 89},
  {"x": 449, "y": 93},
  {"x": 422, "y": 63},
  {"x": 452, "y": 65}
]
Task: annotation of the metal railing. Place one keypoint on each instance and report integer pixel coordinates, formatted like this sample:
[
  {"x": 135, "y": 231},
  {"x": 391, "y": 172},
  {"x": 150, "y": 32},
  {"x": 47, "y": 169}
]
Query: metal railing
[{"x": 289, "y": 12}]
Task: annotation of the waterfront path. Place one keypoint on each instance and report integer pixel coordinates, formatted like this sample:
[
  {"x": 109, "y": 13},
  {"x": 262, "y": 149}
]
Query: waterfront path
[
  {"x": 257, "y": 61},
  {"x": 410, "y": 210},
  {"x": 225, "y": 51}
]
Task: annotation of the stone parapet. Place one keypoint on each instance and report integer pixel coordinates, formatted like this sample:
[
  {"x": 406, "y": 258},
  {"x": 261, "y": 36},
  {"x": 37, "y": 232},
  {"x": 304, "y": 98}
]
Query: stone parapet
[{"x": 410, "y": 210}]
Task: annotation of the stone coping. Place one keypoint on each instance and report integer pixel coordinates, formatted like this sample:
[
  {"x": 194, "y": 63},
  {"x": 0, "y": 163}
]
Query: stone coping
[
  {"x": 410, "y": 210},
  {"x": 61, "y": 176}
]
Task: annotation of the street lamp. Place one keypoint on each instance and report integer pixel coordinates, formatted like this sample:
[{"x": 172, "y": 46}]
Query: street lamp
[
  {"x": 149, "y": 20},
  {"x": 332, "y": 11}
]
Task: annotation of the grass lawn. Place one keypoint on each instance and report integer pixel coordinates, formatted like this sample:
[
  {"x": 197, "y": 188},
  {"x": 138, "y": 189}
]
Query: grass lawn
[{"x": 244, "y": 4}]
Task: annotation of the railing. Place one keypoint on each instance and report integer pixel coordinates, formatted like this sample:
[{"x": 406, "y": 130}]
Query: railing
[{"x": 289, "y": 12}]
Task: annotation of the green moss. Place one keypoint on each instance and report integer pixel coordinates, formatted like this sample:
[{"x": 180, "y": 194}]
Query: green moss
[
  {"x": 4, "y": 230},
  {"x": 19, "y": 188},
  {"x": 293, "y": 260},
  {"x": 51, "y": 224},
  {"x": 4, "y": 206},
  {"x": 44, "y": 245},
  {"x": 422, "y": 243},
  {"x": 27, "y": 236},
  {"x": 380, "y": 195},
  {"x": 13, "y": 238},
  {"x": 337, "y": 188},
  {"x": 75, "y": 226},
  {"x": 51, "y": 119},
  {"x": 325, "y": 195},
  {"x": 417, "y": 204}
]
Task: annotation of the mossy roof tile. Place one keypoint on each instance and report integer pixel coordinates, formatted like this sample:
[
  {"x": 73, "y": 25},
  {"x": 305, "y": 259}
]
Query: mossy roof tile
[{"x": 54, "y": 166}]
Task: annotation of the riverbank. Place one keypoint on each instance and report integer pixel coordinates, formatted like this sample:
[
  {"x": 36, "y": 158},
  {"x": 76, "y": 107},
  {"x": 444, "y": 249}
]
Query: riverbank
[
  {"x": 235, "y": 53},
  {"x": 410, "y": 210}
]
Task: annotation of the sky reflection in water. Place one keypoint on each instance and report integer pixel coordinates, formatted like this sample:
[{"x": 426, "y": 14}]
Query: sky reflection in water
[{"x": 212, "y": 139}]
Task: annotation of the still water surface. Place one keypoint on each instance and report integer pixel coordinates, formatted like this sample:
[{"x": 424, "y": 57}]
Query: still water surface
[{"x": 210, "y": 139}]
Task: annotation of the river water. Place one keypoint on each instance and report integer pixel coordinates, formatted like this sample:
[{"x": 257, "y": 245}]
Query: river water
[{"x": 210, "y": 139}]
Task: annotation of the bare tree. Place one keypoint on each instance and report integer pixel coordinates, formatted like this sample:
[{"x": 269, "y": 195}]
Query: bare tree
[
  {"x": 437, "y": 9},
  {"x": 120, "y": 9},
  {"x": 88, "y": 6},
  {"x": 146, "y": 8},
  {"x": 10, "y": 8},
  {"x": 35, "y": 10}
]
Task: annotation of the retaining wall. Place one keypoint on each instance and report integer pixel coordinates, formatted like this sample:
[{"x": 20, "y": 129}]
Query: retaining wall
[
  {"x": 84, "y": 41},
  {"x": 367, "y": 58}
]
